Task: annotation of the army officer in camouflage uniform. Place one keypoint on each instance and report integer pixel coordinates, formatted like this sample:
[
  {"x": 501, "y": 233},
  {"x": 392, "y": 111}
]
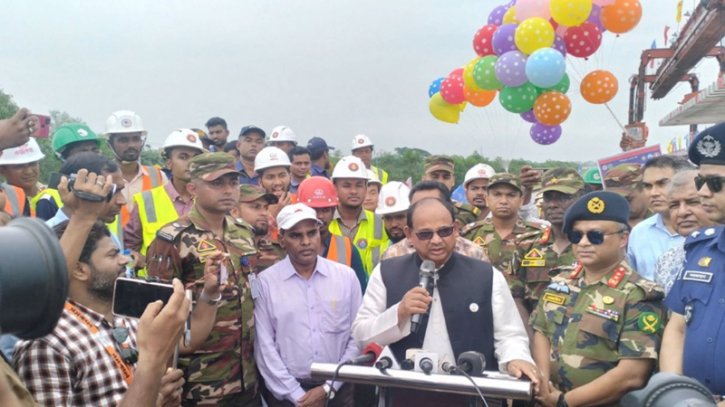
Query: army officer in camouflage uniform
[
  {"x": 222, "y": 371},
  {"x": 599, "y": 324}
]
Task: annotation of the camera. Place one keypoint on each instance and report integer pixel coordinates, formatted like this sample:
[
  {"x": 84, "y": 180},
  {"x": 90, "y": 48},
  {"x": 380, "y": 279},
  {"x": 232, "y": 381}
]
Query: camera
[{"x": 55, "y": 181}]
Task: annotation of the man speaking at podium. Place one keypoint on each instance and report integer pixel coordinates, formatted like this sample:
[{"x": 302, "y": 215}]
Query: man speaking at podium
[{"x": 471, "y": 307}]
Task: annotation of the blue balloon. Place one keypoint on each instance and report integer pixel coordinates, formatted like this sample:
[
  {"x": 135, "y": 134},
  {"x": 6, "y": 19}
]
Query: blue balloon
[
  {"x": 459, "y": 194},
  {"x": 435, "y": 87},
  {"x": 545, "y": 67}
]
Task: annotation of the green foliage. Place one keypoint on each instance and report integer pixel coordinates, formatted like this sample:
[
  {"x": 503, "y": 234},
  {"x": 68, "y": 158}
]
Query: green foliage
[{"x": 7, "y": 107}]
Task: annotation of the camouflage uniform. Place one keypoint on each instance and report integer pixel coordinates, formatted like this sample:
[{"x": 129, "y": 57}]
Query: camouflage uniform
[
  {"x": 466, "y": 213},
  {"x": 222, "y": 371},
  {"x": 463, "y": 247},
  {"x": 623, "y": 178},
  {"x": 592, "y": 326},
  {"x": 269, "y": 251}
]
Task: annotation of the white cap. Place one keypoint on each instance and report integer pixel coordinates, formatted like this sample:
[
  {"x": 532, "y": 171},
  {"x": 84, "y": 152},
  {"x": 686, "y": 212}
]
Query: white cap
[
  {"x": 393, "y": 198},
  {"x": 478, "y": 171},
  {"x": 184, "y": 138},
  {"x": 350, "y": 167},
  {"x": 372, "y": 178},
  {"x": 361, "y": 141},
  {"x": 271, "y": 157},
  {"x": 27, "y": 153},
  {"x": 291, "y": 215},
  {"x": 282, "y": 133},
  {"x": 124, "y": 121}
]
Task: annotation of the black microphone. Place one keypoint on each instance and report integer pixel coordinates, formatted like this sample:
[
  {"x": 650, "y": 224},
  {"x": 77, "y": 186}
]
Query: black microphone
[
  {"x": 471, "y": 362},
  {"x": 371, "y": 352},
  {"x": 407, "y": 364},
  {"x": 426, "y": 365},
  {"x": 384, "y": 363},
  {"x": 427, "y": 268}
]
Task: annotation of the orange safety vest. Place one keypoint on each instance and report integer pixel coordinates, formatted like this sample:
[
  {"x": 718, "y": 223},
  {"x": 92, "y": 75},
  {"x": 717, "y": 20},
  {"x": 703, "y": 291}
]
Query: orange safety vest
[
  {"x": 340, "y": 248},
  {"x": 151, "y": 181},
  {"x": 15, "y": 201}
]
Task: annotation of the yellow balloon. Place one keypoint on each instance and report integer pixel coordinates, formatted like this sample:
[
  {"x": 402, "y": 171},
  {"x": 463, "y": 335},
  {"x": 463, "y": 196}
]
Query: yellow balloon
[
  {"x": 443, "y": 110},
  {"x": 468, "y": 75},
  {"x": 510, "y": 16},
  {"x": 534, "y": 34},
  {"x": 463, "y": 105},
  {"x": 570, "y": 13}
]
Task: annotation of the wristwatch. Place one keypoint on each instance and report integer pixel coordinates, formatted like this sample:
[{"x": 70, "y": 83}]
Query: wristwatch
[
  {"x": 329, "y": 391},
  {"x": 562, "y": 401},
  {"x": 210, "y": 301}
]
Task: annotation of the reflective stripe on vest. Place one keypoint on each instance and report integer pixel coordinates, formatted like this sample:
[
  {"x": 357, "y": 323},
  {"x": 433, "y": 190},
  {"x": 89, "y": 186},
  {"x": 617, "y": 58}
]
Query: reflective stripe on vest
[
  {"x": 12, "y": 200},
  {"x": 382, "y": 175},
  {"x": 116, "y": 228},
  {"x": 378, "y": 227},
  {"x": 154, "y": 178},
  {"x": 340, "y": 248},
  {"x": 47, "y": 192},
  {"x": 155, "y": 209}
]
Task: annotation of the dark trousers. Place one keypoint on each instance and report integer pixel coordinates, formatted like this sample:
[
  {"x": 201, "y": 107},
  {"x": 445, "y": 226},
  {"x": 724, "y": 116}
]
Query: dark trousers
[{"x": 343, "y": 397}]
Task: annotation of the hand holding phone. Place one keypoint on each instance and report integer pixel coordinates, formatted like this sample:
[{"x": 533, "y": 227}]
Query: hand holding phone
[
  {"x": 214, "y": 270},
  {"x": 529, "y": 177},
  {"x": 132, "y": 296}
]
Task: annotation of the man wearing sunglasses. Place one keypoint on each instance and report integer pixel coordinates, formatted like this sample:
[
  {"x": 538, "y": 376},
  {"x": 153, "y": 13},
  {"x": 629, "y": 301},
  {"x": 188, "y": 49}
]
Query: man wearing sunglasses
[
  {"x": 693, "y": 343},
  {"x": 626, "y": 180},
  {"x": 598, "y": 324}
]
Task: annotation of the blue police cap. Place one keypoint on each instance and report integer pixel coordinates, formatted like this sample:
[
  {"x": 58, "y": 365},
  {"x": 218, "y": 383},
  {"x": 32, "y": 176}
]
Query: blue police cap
[
  {"x": 598, "y": 205},
  {"x": 707, "y": 147}
]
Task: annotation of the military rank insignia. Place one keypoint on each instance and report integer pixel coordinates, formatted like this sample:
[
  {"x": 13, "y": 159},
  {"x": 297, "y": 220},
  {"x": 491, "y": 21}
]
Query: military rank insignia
[
  {"x": 595, "y": 206},
  {"x": 560, "y": 287},
  {"x": 649, "y": 323},
  {"x": 704, "y": 262},
  {"x": 534, "y": 258},
  {"x": 479, "y": 241},
  {"x": 205, "y": 246},
  {"x": 554, "y": 298},
  {"x": 604, "y": 313},
  {"x": 617, "y": 277}
]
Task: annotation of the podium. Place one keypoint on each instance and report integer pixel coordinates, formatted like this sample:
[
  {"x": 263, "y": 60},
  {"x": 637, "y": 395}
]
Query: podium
[{"x": 494, "y": 384}]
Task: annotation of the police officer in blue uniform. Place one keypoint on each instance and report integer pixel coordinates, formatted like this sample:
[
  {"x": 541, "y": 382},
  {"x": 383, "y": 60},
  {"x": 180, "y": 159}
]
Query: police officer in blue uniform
[{"x": 694, "y": 340}]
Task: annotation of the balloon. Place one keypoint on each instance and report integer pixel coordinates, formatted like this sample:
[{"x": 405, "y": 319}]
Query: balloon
[
  {"x": 435, "y": 87},
  {"x": 526, "y": 9},
  {"x": 561, "y": 87},
  {"x": 452, "y": 90},
  {"x": 529, "y": 116},
  {"x": 483, "y": 40},
  {"x": 560, "y": 30},
  {"x": 599, "y": 87},
  {"x": 533, "y": 34},
  {"x": 511, "y": 69},
  {"x": 595, "y": 18},
  {"x": 496, "y": 16},
  {"x": 481, "y": 98},
  {"x": 571, "y": 13},
  {"x": 510, "y": 17},
  {"x": 603, "y": 3},
  {"x": 552, "y": 108},
  {"x": 559, "y": 44},
  {"x": 503, "y": 39},
  {"x": 545, "y": 135},
  {"x": 444, "y": 111},
  {"x": 518, "y": 99},
  {"x": 545, "y": 67},
  {"x": 463, "y": 105},
  {"x": 621, "y": 16},
  {"x": 484, "y": 73},
  {"x": 583, "y": 41},
  {"x": 468, "y": 81},
  {"x": 456, "y": 72}
]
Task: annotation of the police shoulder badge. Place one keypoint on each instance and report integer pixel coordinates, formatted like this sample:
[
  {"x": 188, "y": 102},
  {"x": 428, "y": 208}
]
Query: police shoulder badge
[
  {"x": 649, "y": 323},
  {"x": 709, "y": 147},
  {"x": 704, "y": 262},
  {"x": 595, "y": 205}
]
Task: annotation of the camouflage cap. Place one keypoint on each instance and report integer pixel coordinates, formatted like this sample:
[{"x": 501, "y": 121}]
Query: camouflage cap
[
  {"x": 250, "y": 193},
  {"x": 439, "y": 163},
  {"x": 508, "y": 179},
  {"x": 210, "y": 166},
  {"x": 623, "y": 178},
  {"x": 564, "y": 180}
]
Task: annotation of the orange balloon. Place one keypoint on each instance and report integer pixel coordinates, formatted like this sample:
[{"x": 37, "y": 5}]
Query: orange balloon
[
  {"x": 621, "y": 16},
  {"x": 599, "y": 87},
  {"x": 479, "y": 98},
  {"x": 552, "y": 108}
]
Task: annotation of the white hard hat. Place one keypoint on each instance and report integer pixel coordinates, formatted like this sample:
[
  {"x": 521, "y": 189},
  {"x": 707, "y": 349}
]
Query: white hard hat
[
  {"x": 271, "y": 157},
  {"x": 393, "y": 198},
  {"x": 124, "y": 121},
  {"x": 27, "y": 153},
  {"x": 372, "y": 178},
  {"x": 361, "y": 141},
  {"x": 350, "y": 167},
  {"x": 183, "y": 138},
  {"x": 282, "y": 133},
  {"x": 478, "y": 171}
]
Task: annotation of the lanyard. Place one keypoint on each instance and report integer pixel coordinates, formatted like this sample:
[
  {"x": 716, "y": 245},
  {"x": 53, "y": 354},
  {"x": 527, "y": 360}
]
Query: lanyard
[{"x": 125, "y": 369}]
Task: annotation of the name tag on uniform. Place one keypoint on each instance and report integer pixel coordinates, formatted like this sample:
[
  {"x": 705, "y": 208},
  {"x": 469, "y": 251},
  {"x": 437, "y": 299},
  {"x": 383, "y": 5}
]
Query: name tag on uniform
[
  {"x": 254, "y": 284},
  {"x": 554, "y": 298},
  {"x": 699, "y": 276}
]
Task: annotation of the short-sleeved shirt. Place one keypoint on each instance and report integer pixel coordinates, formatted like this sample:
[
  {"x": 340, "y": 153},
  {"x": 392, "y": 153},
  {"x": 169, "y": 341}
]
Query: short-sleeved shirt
[
  {"x": 648, "y": 240},
  {"x": 593, "y": 326}
]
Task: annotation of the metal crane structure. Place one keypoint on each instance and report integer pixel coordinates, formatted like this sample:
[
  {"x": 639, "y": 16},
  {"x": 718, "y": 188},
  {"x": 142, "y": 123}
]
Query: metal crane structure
[{"x": 698, "y": 39}]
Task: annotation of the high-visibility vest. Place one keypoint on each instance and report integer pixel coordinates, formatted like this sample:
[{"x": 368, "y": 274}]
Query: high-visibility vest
[
  {"x": 46, "y": 192},
  {"x": 340, "y": 248},
  {"x": 15, "y": 201},
  {"x": 152, "y": 180},
  {"x": 370, "y": 239},
  {"x": 155, "y": 209},
  {"x": 380, "y": 173}
]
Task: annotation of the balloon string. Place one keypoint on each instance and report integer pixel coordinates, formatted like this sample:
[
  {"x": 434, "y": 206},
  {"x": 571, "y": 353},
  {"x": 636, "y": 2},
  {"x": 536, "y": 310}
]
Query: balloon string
[{"x": 615, "y": 117}]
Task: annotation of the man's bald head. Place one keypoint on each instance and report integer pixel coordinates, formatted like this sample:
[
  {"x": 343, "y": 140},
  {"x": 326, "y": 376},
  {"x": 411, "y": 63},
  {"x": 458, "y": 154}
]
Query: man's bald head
[{"x": 443, "y": 205}]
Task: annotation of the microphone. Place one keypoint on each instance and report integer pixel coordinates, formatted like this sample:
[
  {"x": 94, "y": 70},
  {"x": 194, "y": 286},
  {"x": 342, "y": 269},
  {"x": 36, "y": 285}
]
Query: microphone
[
  {"x": 427, "y": 268},
  {"x": 387, "y": 360},
  {"x": 472, "y": 363},
  {"x": 426, "y": 365},
  {"x": 426, "y": 362},
  {"x": 409, "y": 362},
  {"x": 370, "y": 354}
]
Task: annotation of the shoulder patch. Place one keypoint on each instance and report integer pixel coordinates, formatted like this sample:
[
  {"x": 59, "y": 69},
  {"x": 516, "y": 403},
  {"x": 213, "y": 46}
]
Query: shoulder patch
[
  {"x": 652, "y": 290},
  {"x": 702, "y": 235},
  {"x": 470, "y": 227},
  {"x": 170, "y": 231}
]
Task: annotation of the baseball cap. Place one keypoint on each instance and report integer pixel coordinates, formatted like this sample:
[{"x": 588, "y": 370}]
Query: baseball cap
[
  {"x": 564, "y": 180},
  {"x": 251, "y": 128},
  {"x": 439, "y": 163},
  {"x": 291, "y": 215},
  {"x": 250, "y": 193},
  {"x": 318, "y": 145},
  {"x": 479, "y": 171},
  {"x": 508, "y": 179},
  {"x": 623, "y": 178},
  {"x": 210, "y": 166}
]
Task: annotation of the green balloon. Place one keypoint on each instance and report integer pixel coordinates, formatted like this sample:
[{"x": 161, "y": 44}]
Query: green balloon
[
  {"x": 484, "y": 73},
  {"x": 561, "y": 87},
  {"x": 518, "y": 99}
]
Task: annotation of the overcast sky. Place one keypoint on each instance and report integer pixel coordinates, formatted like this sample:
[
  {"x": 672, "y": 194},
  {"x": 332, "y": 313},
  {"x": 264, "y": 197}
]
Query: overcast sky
[{"x": 328, "y": 68}]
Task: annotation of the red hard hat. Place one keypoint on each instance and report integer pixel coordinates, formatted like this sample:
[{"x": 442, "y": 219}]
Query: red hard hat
[{"x": 317, "y": 192}]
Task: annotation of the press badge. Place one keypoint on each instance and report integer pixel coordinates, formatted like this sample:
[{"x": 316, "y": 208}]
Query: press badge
[{"x": 254, "y": 284}]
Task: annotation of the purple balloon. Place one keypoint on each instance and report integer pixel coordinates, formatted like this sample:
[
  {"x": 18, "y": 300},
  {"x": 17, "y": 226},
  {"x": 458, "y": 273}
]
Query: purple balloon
[
  {"x": 529, "y": 116},
  {"x": 503, "y": 39},
  {"x": 545, "y": 135},
  {"x": 595, "y": 17},
  {"x": 496, "y": 16},
  {"x": 559, "y": 45},
  {"x": 511, "y": 69}
]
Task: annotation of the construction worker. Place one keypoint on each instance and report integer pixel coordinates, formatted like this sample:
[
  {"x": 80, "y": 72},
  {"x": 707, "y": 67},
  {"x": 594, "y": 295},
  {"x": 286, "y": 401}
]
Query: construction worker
[
  {"x": 218, "y": 134},
  {"x": 126, "y": 137},
  {"x": 67, "y": 141},
  {"x": 320, "y": 194},
  {"x": 164, "y": 204},
  {"x": 273, "y": 169},
  {"x": 351, "y": 220},
  {"x": 253, "y": 211},
  {"x": 475, "y": 184},
  {"x": 283, "y": 138},
  {"x": 441, "y": 168},
  {"x": 371, "y": 197},
  {"x": 593, "y": 178},
  {"x": 21, "y": 169},
  {"x": 362, "y": 148},
  {"x": 393, "y": 206}
]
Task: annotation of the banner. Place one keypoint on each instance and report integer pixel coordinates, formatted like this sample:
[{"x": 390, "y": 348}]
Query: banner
[{"x": 638, "y": 156}]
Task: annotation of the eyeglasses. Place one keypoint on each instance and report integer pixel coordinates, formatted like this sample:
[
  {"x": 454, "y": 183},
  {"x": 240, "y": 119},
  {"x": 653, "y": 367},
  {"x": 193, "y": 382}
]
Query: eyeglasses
[
  {"x": 442, "y": 232},
  {"x": 714, "y": 183},
  {"x": 595, "y": 237},
  {"x": 128, "y": 354}
]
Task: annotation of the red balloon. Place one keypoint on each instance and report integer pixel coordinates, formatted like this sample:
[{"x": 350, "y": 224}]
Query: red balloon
[
  {"x": 483, "y": 40},
  {"x": 452, "y": 90},
  {"x": 583, "y": 41},
  {"x": 457, "y": 72}
]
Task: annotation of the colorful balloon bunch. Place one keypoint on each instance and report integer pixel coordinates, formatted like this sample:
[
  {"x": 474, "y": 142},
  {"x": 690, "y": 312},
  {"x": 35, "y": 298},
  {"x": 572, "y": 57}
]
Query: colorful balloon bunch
[{"x": 521, "y": 58}]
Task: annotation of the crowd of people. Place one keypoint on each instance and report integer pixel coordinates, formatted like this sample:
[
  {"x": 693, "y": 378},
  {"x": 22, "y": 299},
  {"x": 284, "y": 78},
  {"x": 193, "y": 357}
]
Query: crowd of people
[{"x": 278, "y": 260}]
